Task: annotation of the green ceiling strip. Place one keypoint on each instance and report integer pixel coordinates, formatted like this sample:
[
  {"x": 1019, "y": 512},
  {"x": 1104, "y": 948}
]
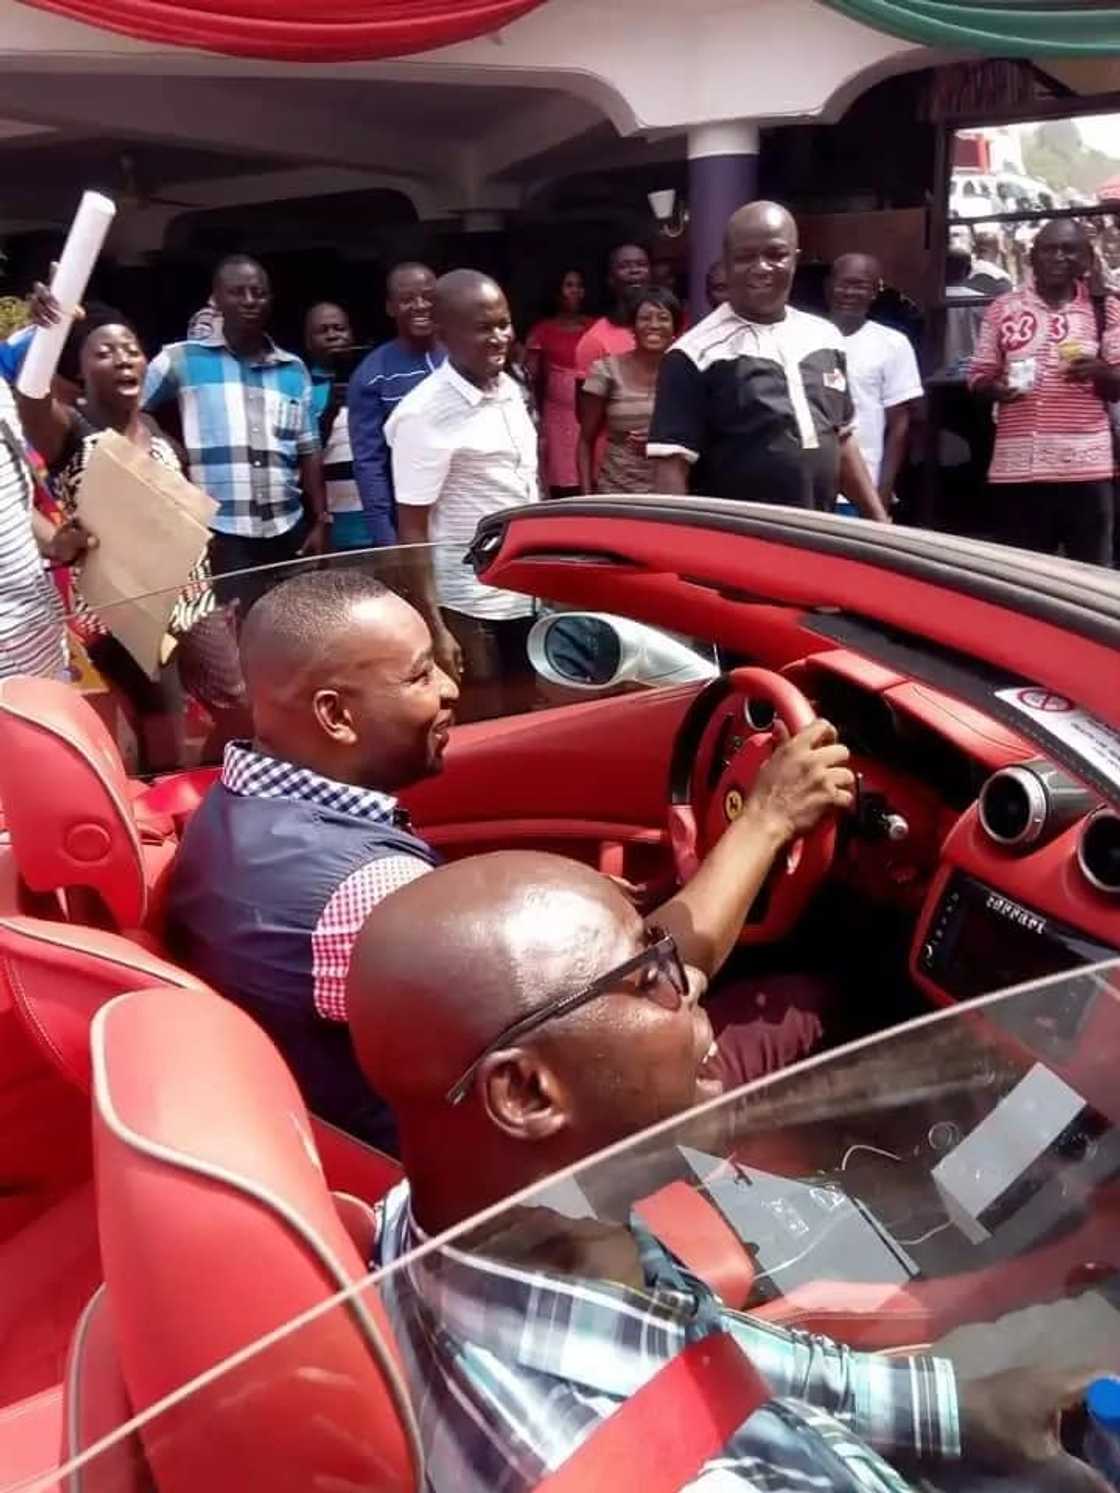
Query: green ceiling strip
[{"x": 1004, "y": 28}]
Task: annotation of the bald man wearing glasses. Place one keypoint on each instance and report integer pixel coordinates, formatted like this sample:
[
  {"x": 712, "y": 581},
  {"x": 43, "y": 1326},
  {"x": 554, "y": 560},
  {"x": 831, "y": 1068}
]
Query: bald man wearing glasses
[{"x": 519, "y": 1016}]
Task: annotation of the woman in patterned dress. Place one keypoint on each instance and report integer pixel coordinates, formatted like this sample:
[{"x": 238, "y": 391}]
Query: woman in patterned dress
[
  {"x": 205, "y": 661},
  {"x": 618, "y": 395}
]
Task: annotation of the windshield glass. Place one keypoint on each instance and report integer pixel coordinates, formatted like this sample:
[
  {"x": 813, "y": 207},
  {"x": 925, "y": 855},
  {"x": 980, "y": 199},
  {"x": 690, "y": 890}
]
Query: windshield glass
[
  {"x": 879, "y": 1233},
  {"x": 162, "y": 670}
]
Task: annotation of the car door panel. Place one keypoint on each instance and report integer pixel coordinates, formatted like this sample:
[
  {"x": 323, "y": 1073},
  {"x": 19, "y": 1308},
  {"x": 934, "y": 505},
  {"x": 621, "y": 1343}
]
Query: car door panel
[{"x": 587, "y": 780}]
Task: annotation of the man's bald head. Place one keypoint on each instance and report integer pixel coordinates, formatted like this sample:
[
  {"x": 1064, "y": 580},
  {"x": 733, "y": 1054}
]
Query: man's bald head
[
  {"x": 473, "y": 321},
  {"x": 760, "y": 252},
  {"x": 459, "y": 291},
  {"x": 852, "y": 288},
  {"x": 449, "y": 961},
  {"x": 340, "y": 679},
  {"x": 770, "y": 218},
  {"x": 469, "y": 949}
]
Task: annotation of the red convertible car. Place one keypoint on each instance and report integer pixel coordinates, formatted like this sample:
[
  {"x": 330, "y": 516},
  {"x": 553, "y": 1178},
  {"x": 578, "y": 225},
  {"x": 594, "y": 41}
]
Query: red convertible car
[{"x": 184, "y": 1297}]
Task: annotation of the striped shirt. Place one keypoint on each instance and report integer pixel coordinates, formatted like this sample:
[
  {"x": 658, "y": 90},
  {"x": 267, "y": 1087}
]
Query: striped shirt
[
  {"x": 511, "y": 1368},
  {"x": 464, "y": 453},
  {"x": 32, "y": 635},
  {"x": 1060, "y": 431},
  {"x": 338, "y": 467},
  {"x": 379, "y": 383},
  {"x": 247, "y": 421}
]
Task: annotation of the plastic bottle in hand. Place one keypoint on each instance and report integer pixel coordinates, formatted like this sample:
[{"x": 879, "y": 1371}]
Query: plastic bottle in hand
[{"x": 1102, "y": 1439}]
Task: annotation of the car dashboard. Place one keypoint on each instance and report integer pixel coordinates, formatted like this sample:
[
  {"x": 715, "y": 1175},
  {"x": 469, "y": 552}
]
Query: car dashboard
[{"x": 1010, "y": 868}]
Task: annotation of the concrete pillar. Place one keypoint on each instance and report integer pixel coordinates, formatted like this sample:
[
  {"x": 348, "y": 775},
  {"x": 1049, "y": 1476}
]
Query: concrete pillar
[{"x": 722, "y": 175}]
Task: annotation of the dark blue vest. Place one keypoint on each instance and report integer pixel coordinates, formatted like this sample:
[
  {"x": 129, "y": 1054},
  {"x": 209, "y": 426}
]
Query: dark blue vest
[{"x": 247, "y": 890}]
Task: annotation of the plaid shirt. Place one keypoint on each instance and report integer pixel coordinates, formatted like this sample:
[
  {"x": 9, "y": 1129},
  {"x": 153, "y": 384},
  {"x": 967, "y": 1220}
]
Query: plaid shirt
[
  {"x": 511, "y": 1368},
  {"x": 254, "y": 774},
  {"x": 246, "y": 423}
]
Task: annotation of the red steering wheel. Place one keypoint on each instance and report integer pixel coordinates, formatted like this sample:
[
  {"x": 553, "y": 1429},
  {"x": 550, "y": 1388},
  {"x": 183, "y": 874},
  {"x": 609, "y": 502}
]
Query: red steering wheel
[{"x": 722, "y": 744}]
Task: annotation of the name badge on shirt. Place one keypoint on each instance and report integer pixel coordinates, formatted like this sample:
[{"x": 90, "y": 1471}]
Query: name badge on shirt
[{"x": 834, "y": 379}]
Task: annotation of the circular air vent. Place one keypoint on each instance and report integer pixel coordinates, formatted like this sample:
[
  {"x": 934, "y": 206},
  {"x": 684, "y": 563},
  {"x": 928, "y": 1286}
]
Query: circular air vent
[
  {"x": 1013, "y": 807},
  {"x": 1098, "y": 852}
]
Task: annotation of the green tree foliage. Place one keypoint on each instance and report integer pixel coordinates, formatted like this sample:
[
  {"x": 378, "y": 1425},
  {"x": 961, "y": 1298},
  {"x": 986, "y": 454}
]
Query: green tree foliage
[{"x": 1057, "y": 154}]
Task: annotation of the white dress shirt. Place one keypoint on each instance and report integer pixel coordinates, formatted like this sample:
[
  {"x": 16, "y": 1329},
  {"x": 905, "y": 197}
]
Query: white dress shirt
[
  {"x": 883, "y": 373},
  {"x": 464, "y": 453}
]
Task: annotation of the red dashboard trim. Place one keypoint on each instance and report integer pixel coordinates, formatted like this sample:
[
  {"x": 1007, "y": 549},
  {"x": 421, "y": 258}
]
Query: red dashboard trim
[
  {"x": 469, "y": 832},
  {"x": 1047, "y": 880},
  {"x": 963, "y": 726},
  {"x": 1068, "y": 663}
]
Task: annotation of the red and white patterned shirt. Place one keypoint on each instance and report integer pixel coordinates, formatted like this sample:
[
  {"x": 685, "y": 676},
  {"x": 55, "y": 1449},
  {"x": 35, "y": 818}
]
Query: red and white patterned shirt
[
  {"x": 332, "y": 943},
  {"x": 1060, "y": 431}
]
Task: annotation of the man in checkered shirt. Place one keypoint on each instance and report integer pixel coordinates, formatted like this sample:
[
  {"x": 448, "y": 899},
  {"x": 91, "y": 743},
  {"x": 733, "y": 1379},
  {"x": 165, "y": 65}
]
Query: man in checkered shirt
[
  {"x": 303, "y": 836},
  {"x": 249, "y": 429}
]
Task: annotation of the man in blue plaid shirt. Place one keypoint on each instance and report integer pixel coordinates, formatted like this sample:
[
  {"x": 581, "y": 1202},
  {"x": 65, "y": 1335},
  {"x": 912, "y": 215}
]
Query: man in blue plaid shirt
[
  {"x": 249, "y": 429},
  {"x": 518, "y": 1016}
]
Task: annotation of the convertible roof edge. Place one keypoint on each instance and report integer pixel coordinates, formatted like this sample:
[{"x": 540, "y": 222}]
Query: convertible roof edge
[{"x": 1079, "y": 598}]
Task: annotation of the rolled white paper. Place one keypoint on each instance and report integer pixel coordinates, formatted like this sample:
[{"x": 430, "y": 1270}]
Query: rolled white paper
[{"x": 83, "y": 245}]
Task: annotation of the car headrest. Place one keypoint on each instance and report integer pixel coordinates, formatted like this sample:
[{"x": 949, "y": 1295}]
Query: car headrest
[
  {"x": 66, "y": 798},
  {"x": 58, "y": 976},
  {"x": 216, "y": 1223}
]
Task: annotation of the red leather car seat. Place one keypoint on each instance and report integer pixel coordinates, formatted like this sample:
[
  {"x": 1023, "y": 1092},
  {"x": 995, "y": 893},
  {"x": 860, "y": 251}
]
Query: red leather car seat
[
  {"x": 215, "y": 1222},
  {"x": 55, "y": 977},
  {"x": 95, "y": 1405},
  {"x": 68, "y": 806}
]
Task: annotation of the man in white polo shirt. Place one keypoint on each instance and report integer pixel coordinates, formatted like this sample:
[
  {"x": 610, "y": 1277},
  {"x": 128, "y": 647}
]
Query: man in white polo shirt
[
  {"x": 464, "y": 446},
  {"x": 882, "y": 370}
]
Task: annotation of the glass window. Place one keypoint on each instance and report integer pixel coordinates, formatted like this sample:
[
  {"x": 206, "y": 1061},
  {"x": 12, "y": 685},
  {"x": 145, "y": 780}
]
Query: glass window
[
  {"x": 162, "y": 669},
  {"x": 935, "y": 1206},
  {"x": 1008, "y": 180}
]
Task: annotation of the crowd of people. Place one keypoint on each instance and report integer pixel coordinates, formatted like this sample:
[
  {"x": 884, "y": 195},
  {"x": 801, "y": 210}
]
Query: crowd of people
[
  {"x": 456, "y": 417},
  {"x": 502, "y": 1018}
]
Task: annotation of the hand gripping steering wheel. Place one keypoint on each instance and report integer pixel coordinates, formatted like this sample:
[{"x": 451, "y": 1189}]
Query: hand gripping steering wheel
[{"x": 722, "y": 744}]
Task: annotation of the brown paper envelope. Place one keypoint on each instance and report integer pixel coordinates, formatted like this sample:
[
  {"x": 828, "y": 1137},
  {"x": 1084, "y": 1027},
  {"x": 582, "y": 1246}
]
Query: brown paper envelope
[{"x": 152, "y": 529}]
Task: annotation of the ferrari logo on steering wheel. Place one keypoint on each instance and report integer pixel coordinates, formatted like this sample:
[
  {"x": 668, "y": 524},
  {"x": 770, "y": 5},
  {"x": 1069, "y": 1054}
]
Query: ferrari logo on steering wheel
[{"x": 733, "y": 804}]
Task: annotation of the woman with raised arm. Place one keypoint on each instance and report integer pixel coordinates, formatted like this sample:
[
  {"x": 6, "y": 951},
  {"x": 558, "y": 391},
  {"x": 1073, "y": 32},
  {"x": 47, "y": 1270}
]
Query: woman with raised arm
[{"x": 205, "y": 663}]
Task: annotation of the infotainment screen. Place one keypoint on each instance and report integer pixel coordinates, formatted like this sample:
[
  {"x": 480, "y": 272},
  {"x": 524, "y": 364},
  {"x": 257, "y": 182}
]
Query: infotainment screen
[{"x": 981, "y": 941}]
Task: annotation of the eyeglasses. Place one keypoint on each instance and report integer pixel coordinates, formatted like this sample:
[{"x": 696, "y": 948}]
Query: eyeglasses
[{"x": 665, "y": 983}]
